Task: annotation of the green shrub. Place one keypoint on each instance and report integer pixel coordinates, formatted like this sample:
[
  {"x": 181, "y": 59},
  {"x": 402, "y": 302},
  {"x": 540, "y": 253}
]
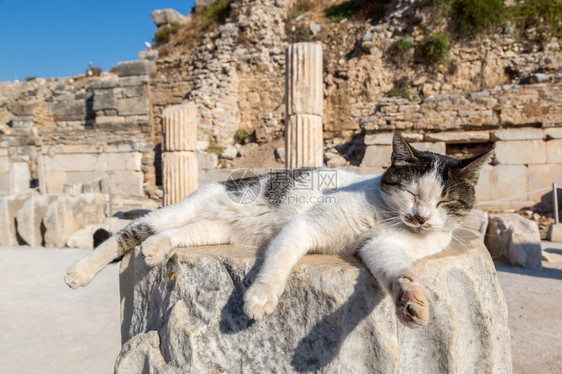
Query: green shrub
[
  {"x": 478, "y": 16},
  {"x": 164, "y": 33},
  {"x": 434, "y": 49},
  {"x": 342, "y": 11},
  {"x": 215, "y": 148},
  {"x": 217, "y": 11},
  {"x": 402, "y": 92},
  {"x": 545, "y": 15},
  {"x": 241, "y": 134},
  {"x": 402, "y": 44}
]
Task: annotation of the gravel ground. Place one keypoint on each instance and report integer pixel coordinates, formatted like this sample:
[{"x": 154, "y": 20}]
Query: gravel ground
[{"x": 45, "y": 327}]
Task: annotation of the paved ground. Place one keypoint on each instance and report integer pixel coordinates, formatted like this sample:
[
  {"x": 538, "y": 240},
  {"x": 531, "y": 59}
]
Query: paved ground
[{"x": 45, "y": 327}]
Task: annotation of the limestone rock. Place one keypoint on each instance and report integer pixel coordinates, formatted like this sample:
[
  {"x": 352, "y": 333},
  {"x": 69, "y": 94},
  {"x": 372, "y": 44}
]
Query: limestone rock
[
  {"x": 162, "y": 17},
  {"x": 477, "y": 222},
  {"x": 9, "y": 206},
  {"x": 333, "y": 317},
  {"x": 135, "y": 67},
  {"x": 68, "y": 214},
  {"x": 516, "y": 239},
  {"x": 30, "y": 218}
]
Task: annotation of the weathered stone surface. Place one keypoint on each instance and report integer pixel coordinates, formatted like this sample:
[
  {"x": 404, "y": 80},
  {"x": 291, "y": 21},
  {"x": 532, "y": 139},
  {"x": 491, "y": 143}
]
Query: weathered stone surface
[
  {"x": 459, "y": 137},
  {"x": 186, "y": 316},
  {"x": 541, "y": 178},
  {"x": 93, "y": 162},
  {"x": 9, "y": 206},
  {"x": 180, "y": 124},
  {"x": 553, "y": 133},
  {"x": 554, "y": 151},
  {"x": 30, "y": 218},
  {"x": 515, "y": 239},
  {"x": 496, "y": 188},
  {"x": 162, "y": 17},
  {"x": 19, "y": 176},
  {"x": 68, "y": 214},
  {"x": 304, "y": 88},
  {"x": 179, "y": 175},
  {"x": 377, "y": 155},
  {"x": 517, "y": 134},
  {"x": 303, "y": 141},
  {"x": 555, "y": 233},
  {"x": 438, "y": 147},
  {"x": 476, "y": 221},
  {"x": 135, "y": 67},
  {"x": 520, "y": 152}
]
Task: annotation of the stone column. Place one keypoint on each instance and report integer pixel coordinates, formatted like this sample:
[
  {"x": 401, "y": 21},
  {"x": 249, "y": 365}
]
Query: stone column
[
  {"x": 304, "y": 99},
  {"x": 179, "y": 155}
]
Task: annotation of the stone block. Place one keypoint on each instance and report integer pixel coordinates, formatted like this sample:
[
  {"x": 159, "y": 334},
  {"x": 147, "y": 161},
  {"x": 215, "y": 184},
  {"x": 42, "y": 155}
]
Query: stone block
[
  {"x": 517, "y": 134},
  {"x": 304, "y": 88},
  {"x": 30, "y": 218},
  {"x": 520, "y": 152},
  {"x": 151, "y": 55},
  {"x": 179, "y": 175},
  {"x": 9, "y": 206},
  {"x": 377, "y": 155},
  {"x": 476, "y": 221},
  {"x": 454, "y": 137},
  {"x": 303, "y": 141},
  {"x": 503, "y": 187},
  {"x": 332, "y": 318},
  {"x": 68, "y": 214},
  {"x": 162, "y": 17},
  {"x": 104, "y": 101},
  {"x": 554, "y": 151},
  {"x": 20, "y": 176},
  {"x": 555, "y": 233},
  {"x": 93, "y": 162},
  {"x": 438, "y": 147},
  {"x": 386, "y": 138},
  {"x": 180, "y": 123},
  {"x": 541, "y": 178},
  {"x": 133, "y": 106},
  {"x": 515, "y": 239},
  {"x": 126, "y": 182},
  {"x": 135, "y": 67},
  {"x": 553, "y": 133}
]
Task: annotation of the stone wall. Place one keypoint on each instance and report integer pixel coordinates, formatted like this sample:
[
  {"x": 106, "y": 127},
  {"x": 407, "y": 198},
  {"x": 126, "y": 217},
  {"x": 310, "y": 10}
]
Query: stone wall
[
  {"x": 75, "y": 131},
  {"x": 524, "y": 123}
]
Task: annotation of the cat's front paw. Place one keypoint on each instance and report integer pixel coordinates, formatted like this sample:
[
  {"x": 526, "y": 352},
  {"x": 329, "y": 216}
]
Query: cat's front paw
[
  {"x": 155, "y": 249},
  {"x": 80, "y": 274},
  {"x": 411, "y": 304},
  {"x": 260, "y": 300}
]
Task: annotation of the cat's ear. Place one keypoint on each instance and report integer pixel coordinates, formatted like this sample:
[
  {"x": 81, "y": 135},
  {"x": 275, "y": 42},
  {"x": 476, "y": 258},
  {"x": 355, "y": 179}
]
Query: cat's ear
[
  {"x": 402, "y": 151},
  {"x": 469, "y": 168}
]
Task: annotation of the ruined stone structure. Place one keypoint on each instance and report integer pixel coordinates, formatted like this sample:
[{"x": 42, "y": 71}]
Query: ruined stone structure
[
  {"x": 179, "y": 158},
  {"x": 304, "y": 98}
]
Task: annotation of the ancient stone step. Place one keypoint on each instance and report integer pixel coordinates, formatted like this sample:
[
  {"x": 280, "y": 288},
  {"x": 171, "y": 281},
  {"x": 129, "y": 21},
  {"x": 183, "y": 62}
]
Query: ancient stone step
[{"x": 187, "y": 316}]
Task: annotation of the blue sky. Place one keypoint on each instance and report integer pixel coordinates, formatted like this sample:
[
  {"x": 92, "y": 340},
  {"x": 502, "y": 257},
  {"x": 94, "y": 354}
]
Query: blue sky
[{"x": 52, "y": 38}]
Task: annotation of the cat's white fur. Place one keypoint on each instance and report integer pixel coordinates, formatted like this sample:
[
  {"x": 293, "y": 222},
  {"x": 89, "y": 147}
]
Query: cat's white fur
[{"x": 355, "y": 217}]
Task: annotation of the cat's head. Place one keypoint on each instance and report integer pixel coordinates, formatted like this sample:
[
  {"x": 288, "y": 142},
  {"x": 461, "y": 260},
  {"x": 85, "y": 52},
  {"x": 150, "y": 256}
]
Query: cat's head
[{"x": 429, "y": 191}]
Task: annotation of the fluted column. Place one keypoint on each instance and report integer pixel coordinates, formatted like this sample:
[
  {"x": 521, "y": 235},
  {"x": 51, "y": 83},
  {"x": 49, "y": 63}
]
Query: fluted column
[
  {"x": 179, "y": 156},
  {"x": 304, "y": 105}
]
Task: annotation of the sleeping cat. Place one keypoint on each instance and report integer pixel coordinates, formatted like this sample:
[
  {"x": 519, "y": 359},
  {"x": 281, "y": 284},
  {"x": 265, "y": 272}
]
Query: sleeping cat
[{"x": 390, "y": 221}]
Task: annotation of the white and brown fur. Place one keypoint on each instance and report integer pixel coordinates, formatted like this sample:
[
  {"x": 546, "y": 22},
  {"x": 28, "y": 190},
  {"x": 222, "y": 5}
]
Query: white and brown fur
[{"x": 390, "y": 221}]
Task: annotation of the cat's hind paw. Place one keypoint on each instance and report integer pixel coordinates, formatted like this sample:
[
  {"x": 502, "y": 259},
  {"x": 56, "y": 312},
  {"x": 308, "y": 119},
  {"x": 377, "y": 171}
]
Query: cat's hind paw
[
  {"x": 79, "y": 275},
  {"x": 259, "y": 301},
  {"x": 155, "y": 249},
  {"x": 412, "y": 307}
]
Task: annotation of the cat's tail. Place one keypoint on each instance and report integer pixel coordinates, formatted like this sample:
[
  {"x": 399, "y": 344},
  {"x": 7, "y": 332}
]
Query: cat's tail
[{"x": 82, "y": 272}]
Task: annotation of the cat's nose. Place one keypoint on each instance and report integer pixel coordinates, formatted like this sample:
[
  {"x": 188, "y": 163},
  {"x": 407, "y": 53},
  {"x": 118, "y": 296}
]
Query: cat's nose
[{"x": 421, "y": 219}]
